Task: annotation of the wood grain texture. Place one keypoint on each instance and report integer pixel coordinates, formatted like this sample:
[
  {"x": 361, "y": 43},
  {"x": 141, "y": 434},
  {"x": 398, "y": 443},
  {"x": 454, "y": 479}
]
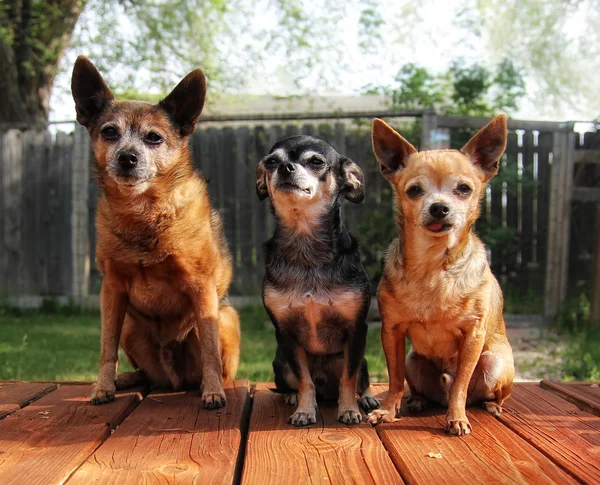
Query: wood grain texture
[
  {"x": 46, "y": 441},
  {"x": 585, "y": 395},
  {"x": 326, "y": 453},
  {"x": 15, "y": 395},
  {"x": 569, "y": 436},
  {"x": 492, "y": 454},
  {"x": 169, "y": 438}
]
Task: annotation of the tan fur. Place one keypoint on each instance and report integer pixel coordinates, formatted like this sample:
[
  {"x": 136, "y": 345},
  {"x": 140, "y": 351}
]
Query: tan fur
[
  {"x": 165, "y": 262},
  {"x": 437, "y": 289}
]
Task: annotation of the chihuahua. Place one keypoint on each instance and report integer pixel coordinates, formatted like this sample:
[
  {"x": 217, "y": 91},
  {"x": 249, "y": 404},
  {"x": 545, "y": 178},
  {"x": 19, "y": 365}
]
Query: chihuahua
[
  {"x": 161, "y": 247},
  {"x": 315, "y": 289},
  {"x": 437, "y": 288}
]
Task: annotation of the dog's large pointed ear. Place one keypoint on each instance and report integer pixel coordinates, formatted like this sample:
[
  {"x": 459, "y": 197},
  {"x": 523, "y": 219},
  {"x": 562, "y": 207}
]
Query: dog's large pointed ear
[
  {"x": 354, "y": 181},
  {"x": 90, "y": 92},
  {"x": 487, "y": 146},
  {"x": 261, "y": 181},
  {"x": 391, "y": 149},
  {"x": 184, "y": 104}
]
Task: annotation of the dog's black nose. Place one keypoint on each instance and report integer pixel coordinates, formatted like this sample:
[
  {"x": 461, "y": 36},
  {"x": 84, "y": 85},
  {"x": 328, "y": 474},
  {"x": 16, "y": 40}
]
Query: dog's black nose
[
  {"x": 127, "y": 160},
  {"x": 439, "y": 210},
  {"x": 286, "y": 167}
]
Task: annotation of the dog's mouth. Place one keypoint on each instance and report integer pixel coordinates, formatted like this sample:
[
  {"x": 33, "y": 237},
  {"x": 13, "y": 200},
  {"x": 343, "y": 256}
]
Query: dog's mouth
[
  {"x": 438, "y": 227},
  {"x": 291, "y": 187}
]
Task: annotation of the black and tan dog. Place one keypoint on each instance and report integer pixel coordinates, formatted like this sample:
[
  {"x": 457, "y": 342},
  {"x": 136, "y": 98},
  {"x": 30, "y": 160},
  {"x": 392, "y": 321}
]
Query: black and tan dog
[
  {"x": 160, "y": 245},
  {"x": 437, "y": 288},
  {"x": 315, "y": 290}
]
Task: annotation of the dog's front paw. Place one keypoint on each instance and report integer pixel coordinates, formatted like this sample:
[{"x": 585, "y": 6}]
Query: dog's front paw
[
  {"x": 303, "y": 417},
  {"x": 213, "y": 400},
  {"x": 382, "y": 415},
  {"x": 369, "y": 403},
  {"x": 102, "y": 396},
  {"x": 493, "y": 408},
  {"x": 416, "y": 403},
  {"x": 349, "y": 416},
  {"x": 291, "y": 398},
  {"x": 458, "y": 426}
]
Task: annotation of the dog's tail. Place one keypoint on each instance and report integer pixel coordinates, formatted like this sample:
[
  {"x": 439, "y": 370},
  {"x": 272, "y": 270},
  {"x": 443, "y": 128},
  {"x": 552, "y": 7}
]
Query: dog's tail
[{"x": 229, "y": 336}]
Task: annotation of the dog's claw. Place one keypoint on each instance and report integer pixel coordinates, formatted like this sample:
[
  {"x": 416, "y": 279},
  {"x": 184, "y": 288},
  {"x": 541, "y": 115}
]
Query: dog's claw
[
  {"x": 416, "y": 403},
  {"x": 350, "y": 416},
  {"x": 213, "y": 400},
  {"x": 369, "y": 403},
  {"x": 102, "y": 396},
  {"x": 458, "y": 427},
  {"x": 303, "y": 418}
]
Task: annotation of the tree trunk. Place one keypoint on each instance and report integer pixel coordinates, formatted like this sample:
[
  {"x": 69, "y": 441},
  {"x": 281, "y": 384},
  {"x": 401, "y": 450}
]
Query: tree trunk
[{"x": 34, "y": 35}]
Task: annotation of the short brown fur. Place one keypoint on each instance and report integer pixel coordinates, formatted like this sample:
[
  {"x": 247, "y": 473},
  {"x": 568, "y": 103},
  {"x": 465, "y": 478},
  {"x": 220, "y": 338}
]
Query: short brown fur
[
  {"x": 437, "y": 289},
  {"x": 160, "y": 247}
]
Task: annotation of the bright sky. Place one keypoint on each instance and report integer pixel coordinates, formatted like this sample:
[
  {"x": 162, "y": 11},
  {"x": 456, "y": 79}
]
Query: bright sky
[{"x": 433, "y": 42}]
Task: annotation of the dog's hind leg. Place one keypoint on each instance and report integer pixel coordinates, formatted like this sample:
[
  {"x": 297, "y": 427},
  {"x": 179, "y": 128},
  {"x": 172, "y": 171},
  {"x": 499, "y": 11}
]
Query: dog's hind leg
[
  {"x": 229, "y": 338},
  {"x": 128, "y": 380},
  {"x": 426, "y": 382}
]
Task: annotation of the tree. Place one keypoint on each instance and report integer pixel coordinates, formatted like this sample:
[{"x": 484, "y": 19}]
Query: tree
[{"x": 33, "y": 37}]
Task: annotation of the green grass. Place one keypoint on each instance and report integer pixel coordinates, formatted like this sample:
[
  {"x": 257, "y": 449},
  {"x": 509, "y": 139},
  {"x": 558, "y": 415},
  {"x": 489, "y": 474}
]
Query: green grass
[{"x": 63, "y": 344}]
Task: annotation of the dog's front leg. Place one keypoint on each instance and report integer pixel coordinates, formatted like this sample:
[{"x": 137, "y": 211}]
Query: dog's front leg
[
  {"x": 207, "y": 346},
  {"x": 306, "y": 411},
  {"x": 468, "y": 356},
  {"x": 113, "y": 304},
  {"x": 394, "y": 348},
  {"x": 354, "y": 351}
]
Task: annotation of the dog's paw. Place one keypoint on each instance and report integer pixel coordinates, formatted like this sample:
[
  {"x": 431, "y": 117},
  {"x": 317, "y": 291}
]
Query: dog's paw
[
  {"x": 291, "y": 398},
  {"x": 102, "y": 396},
  {"x": 349, "y": 416},
  {"x": 493, "y": 408},
  {"x": 458, "y": 426},
  {"x": 303, "y": 417},
  {"x": 382, "y": 415},
  {"x": 416, "y": 403},
  {"x": 213, "y": 400},
  {"x": 368, "y": 403}
]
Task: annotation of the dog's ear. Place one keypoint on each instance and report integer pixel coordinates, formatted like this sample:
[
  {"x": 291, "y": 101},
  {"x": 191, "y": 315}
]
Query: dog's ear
[
  {"x": 391, "y": 149},
  {"x": 487, "y": 146},
  {"x": 261, "y": 181},
  {"x": 184, "y": 104},
  {"x": 354, "y": 181},
  {"x": 90, "y": 92}
]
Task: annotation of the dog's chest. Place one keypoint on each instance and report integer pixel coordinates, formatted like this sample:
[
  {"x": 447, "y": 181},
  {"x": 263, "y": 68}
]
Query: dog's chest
[
  {"x": 156, "y": 296},
  {"x": 318, "y": 319}
]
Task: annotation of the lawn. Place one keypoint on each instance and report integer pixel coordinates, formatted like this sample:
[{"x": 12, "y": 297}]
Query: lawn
[{"x": 65, "y": 345}]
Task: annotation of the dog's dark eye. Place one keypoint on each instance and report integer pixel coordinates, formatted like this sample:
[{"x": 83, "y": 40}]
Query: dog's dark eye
[
  {"x": 110, "y": 133},
  {"x": 464, "y": 189},
  {"x": 316, "y": 162},
  {"x": 154, "y": 138},
  {"x": 270, "y": 162},
  {"x": 414, "y": 192}
]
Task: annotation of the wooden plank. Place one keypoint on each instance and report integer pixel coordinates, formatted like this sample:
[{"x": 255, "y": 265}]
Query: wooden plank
[
  {"x": 326, "y": 453},
  {"x": 528, "y": 236},
  {"x": 510, "y": 170},
  {"x": 480, "y": 122},
  {"x": 585, "y": 395},
  {"x": 595, "y": 293},
  {"x": 45, "y": 442},
  {"x": 568, "y": 436},
  {"x": 587, "y": 156},
  {"x": 543, "y": 192},
  {"x": 171, "y": 439},
  {"x": 491, "y": 454},
  {"x": 15, "y": 395},
  {"x": 246, "y": 205},
  {"x": 586, "y": 194}
]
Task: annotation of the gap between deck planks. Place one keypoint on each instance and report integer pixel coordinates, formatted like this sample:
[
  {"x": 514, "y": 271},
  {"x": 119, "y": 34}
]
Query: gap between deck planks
[{"x": 15, "y": 395}]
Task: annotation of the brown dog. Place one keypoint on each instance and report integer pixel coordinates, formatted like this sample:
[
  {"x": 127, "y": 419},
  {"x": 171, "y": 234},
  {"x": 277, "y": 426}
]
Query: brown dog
[
  {"x": 437, "y": 288},
  {"x": 160, "y": 246}
]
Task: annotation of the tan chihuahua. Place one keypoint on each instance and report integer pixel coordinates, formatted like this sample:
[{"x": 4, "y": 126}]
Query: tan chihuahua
[{"x": 437, "y": 288}]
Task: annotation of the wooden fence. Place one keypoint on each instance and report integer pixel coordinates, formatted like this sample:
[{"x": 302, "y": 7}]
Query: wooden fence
[{"x": 48, "y": 201}]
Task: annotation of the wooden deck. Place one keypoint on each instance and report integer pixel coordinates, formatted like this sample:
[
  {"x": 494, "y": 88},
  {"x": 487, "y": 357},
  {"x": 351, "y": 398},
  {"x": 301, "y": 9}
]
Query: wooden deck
[{"x": 50, "y": 434}]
